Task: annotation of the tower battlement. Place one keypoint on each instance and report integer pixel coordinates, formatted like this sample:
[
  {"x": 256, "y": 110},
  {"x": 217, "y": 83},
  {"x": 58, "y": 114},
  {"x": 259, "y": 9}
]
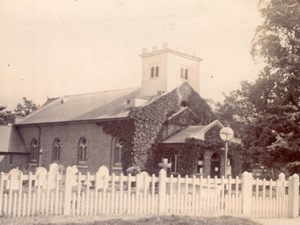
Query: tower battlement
[
  {"x": 167, "y": 47},
  {"x": 164, "y": 69}
]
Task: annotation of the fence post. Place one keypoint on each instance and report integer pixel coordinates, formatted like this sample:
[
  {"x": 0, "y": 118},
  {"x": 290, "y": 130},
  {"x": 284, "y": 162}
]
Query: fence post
[
  {"x": 247, "y": 193},
  {"x": 162, "y": 191},
  {"x": 293, "y": 208},
  {"x": 1, "y": 191},
  {"x": 68, "y": 191}
]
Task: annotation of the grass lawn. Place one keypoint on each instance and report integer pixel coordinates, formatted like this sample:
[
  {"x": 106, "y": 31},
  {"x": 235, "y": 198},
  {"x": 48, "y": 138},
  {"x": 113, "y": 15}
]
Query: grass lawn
[{"x": 156, "y": 220}]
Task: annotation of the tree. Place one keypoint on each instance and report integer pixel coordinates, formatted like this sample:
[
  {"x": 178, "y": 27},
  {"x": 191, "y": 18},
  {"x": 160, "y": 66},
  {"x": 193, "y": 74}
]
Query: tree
[
  {"x": 276, "y": 93},
  {"x": 2, "y": 114},
  {"x": 267, "y": 112},
  {"x": 6, "y": 116},
  {"x": 25, "y": 108},
  {"x": 236, "y": 110}
]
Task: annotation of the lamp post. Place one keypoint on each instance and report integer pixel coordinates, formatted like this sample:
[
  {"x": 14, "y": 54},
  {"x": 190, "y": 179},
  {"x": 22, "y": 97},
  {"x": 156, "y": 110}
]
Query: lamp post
[{"x": 226, "y": 134}]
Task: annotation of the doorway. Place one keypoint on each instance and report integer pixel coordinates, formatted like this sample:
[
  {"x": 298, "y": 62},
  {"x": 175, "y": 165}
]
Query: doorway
[{"x": 215, "y": 165}]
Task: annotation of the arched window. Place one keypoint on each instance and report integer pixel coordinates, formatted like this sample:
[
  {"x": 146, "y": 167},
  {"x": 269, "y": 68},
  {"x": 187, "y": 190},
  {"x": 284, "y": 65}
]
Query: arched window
[
  {"x": 200, "y": 164},
  {"x": 181, "y": 72},
  {"x": 186, "y": 74},
  {"x": 82, "y": 150},
  {"x": 156, "y": 71},
  {"x": 152, "y": 71},
  {"x": 56, "y": 149},
  {"x": 117, "y": 152},
  {"x": 34, "y": 152},
  {"x": 215, "y": 157},
  {"x": 174, "y": 163}
]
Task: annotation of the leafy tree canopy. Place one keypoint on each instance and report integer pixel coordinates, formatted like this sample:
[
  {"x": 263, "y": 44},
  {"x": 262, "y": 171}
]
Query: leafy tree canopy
[
  {"x": 22, "y": 109},
  {"x": 25, "y": 108},
  {"x": 266, "y": 114}
]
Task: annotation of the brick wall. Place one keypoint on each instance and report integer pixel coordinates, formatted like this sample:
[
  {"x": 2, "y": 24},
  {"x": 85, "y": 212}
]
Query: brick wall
[
  {"x": 7, "y": 163},
  {"x": 98, "y": 143}
]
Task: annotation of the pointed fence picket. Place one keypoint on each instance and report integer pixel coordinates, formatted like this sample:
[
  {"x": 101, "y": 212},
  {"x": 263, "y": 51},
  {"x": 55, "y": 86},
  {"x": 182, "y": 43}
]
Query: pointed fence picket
[
  {"x": 52, "y": 193},
  {"x": 270, "y": 198}
]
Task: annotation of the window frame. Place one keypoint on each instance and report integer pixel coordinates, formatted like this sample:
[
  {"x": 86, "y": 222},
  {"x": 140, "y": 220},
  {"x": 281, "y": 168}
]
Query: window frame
[
  {"x": 181, "y": 72},
  {"x": 117, "y": 151},
  {"x": 174, "y": 163},
  {"x": 200, "y": 168},
  {"x": 11, "y": 159},
  {"x": 186, "y": 74},
  {"x": 152, "y": 71},
  {"x": 34, "y": 151},
  {"x": 156, "y": 71},
  {"x": 56, "y": 150},
  {"x": 82, "y": 150}
]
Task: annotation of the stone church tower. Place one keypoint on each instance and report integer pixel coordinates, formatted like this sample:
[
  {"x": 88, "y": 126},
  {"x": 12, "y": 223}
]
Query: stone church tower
[{"x": 165, "y": 69}]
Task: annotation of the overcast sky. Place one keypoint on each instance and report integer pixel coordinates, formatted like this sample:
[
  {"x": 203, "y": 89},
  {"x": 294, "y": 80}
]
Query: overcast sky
[{"x": 53, "y": 48}]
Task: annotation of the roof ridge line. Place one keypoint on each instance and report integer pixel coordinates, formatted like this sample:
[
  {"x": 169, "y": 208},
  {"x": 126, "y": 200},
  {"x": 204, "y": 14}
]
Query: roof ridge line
[{"x": 97, "y": 92}]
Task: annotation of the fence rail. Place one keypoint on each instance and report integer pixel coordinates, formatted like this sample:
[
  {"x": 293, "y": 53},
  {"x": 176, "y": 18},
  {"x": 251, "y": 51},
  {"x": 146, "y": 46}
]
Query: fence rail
[{"x": 53, "y": 193}]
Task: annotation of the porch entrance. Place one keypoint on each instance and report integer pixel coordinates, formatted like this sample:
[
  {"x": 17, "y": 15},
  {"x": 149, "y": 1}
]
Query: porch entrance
[{"x": 215, "y": 165}]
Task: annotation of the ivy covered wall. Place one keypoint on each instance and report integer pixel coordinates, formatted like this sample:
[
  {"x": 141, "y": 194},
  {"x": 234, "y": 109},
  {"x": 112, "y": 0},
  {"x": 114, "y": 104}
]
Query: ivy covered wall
[
  {"x": 149, "y": 121},
  {"x": 188, "y": 154},
  {"x": 142, "y": 131}
]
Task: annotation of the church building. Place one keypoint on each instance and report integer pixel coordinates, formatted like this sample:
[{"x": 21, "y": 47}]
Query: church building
[{"x": 163, "y": 123}]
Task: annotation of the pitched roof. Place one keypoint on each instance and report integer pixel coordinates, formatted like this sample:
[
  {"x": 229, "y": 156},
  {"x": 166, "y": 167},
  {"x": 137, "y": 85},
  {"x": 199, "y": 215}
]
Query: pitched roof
[
  {"x": 182, "y": 135},
  {"x": 10, "y": 140},
  {"x": 92, "y": 106},
  {"x": 197, "y": 132}
]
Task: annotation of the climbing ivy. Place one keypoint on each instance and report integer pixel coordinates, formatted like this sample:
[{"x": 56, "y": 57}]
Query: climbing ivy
[
  {"x": 142, "y": 131},
  {"x": 123, "y": 129},
  {"x": 192, "y": 149},
  {"x": 148, "y": 123}
]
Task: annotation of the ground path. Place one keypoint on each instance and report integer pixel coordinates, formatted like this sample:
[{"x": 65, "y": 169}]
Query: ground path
[
  {"x": 44, "y": 220},
  {"x": 289, "y": 221}
]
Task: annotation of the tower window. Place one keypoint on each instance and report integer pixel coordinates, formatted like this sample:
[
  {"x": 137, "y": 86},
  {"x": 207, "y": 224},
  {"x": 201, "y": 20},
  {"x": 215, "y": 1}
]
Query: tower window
[
  {"x": 56, "y": 149},
  {"x": 152, "y": 71},
  {"x": 181, "y": 72},
  {"x": 82, "y": 150},
  {"x": 186, "y": 74},
  {"x": 156, "y": 71}
]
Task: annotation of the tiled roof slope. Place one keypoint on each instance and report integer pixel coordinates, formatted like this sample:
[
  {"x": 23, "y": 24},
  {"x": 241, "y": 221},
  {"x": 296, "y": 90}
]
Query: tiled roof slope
[
  {"x": 93, "y": 106},
  {"x": 10, "y": 140},
  {"x": 182, "y": 135},
  {"x": 197, "y": 132}
]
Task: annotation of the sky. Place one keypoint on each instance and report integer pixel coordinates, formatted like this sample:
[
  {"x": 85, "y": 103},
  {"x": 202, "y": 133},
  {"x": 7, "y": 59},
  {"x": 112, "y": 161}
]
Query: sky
[{"x": 64, "y": 47}]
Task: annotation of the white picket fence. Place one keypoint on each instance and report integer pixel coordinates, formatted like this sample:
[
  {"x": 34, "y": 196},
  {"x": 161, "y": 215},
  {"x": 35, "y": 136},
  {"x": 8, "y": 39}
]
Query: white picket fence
[{"x": 53, "y": 193}]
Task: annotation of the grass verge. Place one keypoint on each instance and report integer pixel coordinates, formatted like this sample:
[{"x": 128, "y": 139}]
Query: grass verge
[{"x": 156, "y": 220}]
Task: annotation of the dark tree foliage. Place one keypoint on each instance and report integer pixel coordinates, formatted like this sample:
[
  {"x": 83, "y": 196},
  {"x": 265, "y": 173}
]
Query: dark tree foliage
[
  {"x": 6, "y": 116},
  {"x": 3, "y": 115},
  {"x": 267, "y": 112},
  {"x": 25, "y": 108},
  {"x": 21, "y": 110}
]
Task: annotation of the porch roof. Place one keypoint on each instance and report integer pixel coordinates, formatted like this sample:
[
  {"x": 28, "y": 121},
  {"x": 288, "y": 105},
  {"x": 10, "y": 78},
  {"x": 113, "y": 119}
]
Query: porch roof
[
  {"x": 197, "y": 132},
  {"x": 10, "y": 140},
  {"x": 182, "y": 135}
]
